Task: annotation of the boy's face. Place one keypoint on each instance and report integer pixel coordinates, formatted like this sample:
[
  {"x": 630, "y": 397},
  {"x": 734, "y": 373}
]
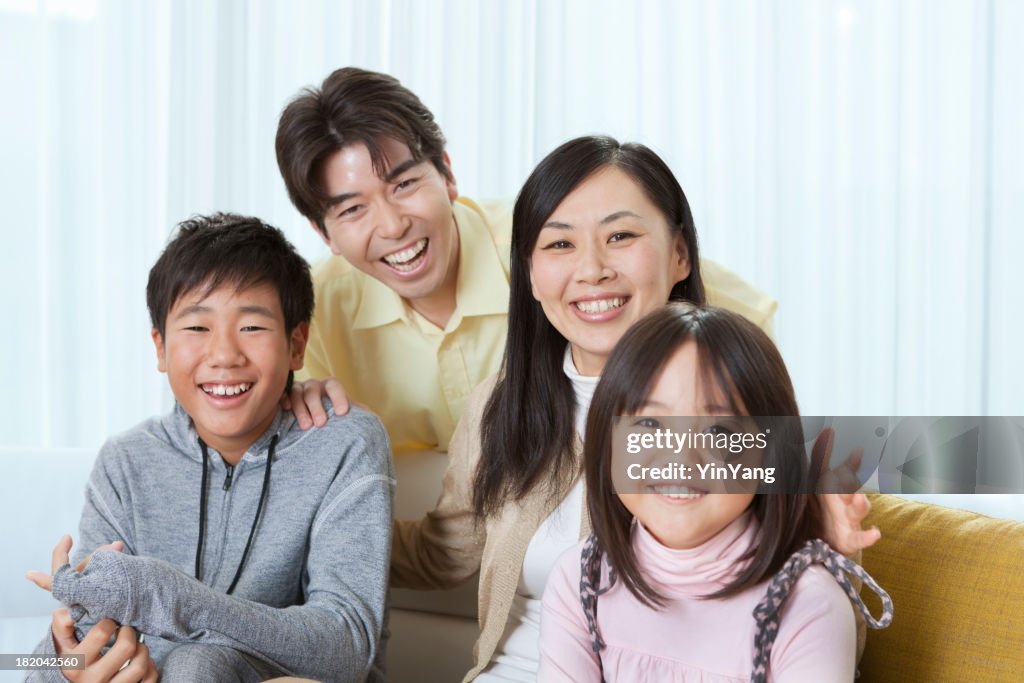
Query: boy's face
[
  {"x": 398, "y": 229},
  {"x": 227, "y": 357}
]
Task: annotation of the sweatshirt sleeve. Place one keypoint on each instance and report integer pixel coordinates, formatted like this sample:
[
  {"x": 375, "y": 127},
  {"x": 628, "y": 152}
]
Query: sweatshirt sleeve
[
  {"x": 332, "y": 637},
  {"x": 817, "y": 638},
  {"x": 445, "y": 548},
  {"x": 103, "y": 521},
  {"x": 565, "y": 652}
]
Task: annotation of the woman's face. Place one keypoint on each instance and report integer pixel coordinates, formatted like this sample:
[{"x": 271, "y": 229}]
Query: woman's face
[{"x": 604, "y": 259}]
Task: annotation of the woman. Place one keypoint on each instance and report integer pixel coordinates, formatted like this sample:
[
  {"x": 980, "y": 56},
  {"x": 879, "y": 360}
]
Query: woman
[{"x": 602, "y": 234}]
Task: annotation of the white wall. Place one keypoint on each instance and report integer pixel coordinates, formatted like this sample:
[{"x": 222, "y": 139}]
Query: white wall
[{"x": 858, "y": 160}]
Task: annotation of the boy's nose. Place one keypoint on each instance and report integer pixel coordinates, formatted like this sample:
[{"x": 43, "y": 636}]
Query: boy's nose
[{"x": 223, "y": 351}]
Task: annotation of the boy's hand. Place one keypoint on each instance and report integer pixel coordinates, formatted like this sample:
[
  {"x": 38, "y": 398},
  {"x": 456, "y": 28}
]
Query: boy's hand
[
  {"x": 127, "y": 660},
  {"x": 306, "y": 401},
  {"x": 844, "y": 512},
  {"x": 61, "y": 557}
]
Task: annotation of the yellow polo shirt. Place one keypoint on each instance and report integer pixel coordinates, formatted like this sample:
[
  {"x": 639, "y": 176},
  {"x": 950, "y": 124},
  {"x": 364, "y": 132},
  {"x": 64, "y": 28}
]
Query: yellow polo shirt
[{"x": 413, "y": 374}]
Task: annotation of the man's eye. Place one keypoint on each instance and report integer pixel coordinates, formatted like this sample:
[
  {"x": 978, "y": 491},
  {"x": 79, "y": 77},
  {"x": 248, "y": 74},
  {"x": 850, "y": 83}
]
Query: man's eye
[
  {"x": 648, "y": 422},
  {"x": 349, "y": 211},
  {"x": 620, "y": 236},
  {"x": 408, "y": 182}
]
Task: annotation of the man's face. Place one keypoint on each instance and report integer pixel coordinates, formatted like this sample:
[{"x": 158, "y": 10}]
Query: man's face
[
  {"x": 227, "y": 357},
  {"x": 398, "y": 229}
]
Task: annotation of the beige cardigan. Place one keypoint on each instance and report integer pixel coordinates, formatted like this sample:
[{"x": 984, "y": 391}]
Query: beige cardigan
[{"x": 448, "y": 546}]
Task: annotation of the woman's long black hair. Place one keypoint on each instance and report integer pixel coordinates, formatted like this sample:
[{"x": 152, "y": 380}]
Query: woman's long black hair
[{"x": 528, "y": 423}]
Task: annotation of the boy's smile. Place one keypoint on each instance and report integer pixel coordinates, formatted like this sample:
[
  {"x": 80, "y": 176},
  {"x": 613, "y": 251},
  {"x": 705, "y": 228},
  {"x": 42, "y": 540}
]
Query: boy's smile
[{"x": 227, "y": 357}]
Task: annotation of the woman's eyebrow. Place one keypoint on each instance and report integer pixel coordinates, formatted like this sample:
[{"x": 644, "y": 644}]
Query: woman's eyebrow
[{"x": 610, "y": 218}]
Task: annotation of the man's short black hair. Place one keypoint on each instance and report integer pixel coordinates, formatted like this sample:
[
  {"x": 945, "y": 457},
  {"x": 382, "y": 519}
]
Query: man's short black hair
[{"x": 207, "y": 252}]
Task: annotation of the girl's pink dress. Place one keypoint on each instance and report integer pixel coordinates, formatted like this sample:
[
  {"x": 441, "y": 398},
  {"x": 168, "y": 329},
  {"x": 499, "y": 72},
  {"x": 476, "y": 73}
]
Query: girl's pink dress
[{"x": 711, "y": 641}]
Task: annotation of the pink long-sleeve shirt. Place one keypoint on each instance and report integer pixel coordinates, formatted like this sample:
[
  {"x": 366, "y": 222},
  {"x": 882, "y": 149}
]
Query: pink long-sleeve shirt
[{"x": 711, "y": 641}]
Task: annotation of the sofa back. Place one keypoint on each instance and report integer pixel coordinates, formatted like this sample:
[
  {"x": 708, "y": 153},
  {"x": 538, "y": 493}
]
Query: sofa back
[{"x": 957, "y": 583}]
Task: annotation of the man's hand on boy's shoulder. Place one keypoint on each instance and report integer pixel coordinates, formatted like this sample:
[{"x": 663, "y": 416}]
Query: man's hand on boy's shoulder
[
  {"x": 62, "y": 556},
  {"x": 306, "y": 401},
  {"x": 127, "y": 659}
]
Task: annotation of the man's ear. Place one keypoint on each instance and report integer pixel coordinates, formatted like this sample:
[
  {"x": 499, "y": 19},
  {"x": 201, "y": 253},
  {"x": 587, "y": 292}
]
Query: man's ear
[
  {"x": 453, "y": 188},
  {"x": 161, "y": 357},
  {"x": 297, "y": 346},
  {"x": 681, "y": 262}
]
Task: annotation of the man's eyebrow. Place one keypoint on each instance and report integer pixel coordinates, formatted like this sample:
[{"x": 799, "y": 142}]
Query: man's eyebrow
[
  {"x": 341, "y": 198},
  {"x": 610, "y": 218},
  {"x": 401, "y": 168}
]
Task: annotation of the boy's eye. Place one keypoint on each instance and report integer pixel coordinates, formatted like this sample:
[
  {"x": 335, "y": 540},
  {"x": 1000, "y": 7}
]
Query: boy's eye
[
  {"x": 648, "y": 422},
  {"x": 252, "y": 328},
  {"x": 195, "y": 328}
]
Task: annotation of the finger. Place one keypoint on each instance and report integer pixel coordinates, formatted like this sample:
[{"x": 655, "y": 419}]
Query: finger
[
  {"x": 116, "y": 546},
  {"x": 41, "y": 579},
  {"x": 336, "y": 392},
  {"x": 298, "y": 406},
  {"x": 136, "y": 669},
  {"x": 95, "y": 640},
  {"x": 121, "y": 651},
  {"x": 853, "y": 462},
  {"x": 60, "y": 553},
  {"x": 63, "y": 629},
  {"x": 859, "y": 540},
  {"x": 858, "y": 507},
  {"x": 151, "y": 674},
  {"x": 821, "y": 453},
  {"x": 313, "y": 397}
]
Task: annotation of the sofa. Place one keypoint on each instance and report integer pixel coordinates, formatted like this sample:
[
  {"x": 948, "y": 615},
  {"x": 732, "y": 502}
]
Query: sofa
[{"x": 956, "y": 578}]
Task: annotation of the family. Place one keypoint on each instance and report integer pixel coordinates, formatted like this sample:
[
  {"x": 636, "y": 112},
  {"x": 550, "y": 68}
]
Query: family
[{"x": 248, "y": 534}]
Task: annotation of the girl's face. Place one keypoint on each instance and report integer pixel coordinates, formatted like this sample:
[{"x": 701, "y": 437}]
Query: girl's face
[
  {"x": 681, "y": 514},
  {"x": 604, "y": 259}
]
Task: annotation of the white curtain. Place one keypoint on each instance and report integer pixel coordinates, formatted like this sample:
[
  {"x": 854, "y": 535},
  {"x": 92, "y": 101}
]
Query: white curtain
[{"x": 861, "y": 161}]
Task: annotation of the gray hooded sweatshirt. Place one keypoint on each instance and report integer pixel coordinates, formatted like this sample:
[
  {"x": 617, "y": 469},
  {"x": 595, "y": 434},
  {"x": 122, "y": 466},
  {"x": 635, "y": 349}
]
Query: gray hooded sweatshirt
[{"x": 309, "y": 599}]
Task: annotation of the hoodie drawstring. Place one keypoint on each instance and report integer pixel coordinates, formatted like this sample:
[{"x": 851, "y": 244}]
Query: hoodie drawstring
[{"x": 255, "y": 520}]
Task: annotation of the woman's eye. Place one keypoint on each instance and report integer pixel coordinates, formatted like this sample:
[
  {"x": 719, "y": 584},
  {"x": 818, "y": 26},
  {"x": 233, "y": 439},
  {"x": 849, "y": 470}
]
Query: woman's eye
[
  {"x": 559, "y": 244},
  {"x": 648, "y": 422},
  {"x": 620, "y": 236}
]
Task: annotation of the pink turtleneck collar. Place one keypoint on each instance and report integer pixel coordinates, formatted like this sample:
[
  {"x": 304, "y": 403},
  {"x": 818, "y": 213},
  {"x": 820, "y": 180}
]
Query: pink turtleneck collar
[{"x": 696, "y": 571}]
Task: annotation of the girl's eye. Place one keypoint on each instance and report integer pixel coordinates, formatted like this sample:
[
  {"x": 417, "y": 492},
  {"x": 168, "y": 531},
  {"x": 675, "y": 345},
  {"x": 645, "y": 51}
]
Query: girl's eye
[
  {"x": 621, "y": 236},
  {"x": 648, "y": 422},
  {"x": 719, "y": 429},
  {"x": 559, "y": 244}
]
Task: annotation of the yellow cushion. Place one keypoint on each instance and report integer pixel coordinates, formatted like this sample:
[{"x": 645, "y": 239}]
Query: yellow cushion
[{"x": 957, "y": 583}]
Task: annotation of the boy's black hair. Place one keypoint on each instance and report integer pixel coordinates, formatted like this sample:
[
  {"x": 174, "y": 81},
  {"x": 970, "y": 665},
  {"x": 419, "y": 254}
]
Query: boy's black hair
[{"x": 224, "y": 248}]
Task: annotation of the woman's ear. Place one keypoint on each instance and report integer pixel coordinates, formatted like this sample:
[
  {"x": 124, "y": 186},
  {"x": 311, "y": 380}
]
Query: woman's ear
[{"x": 681, "y": 260}]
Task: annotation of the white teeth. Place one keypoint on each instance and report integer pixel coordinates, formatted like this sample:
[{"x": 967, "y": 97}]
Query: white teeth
[
  {"x": 678, "y": 492},
  {"x": 600, "y": 305},
  {"x": 226, "y": 389},
  {"x": 403, "y": 260}
]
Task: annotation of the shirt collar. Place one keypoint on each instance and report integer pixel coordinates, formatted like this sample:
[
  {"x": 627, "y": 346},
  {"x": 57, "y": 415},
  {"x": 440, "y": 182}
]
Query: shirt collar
[{"x": 481, "y": 287}]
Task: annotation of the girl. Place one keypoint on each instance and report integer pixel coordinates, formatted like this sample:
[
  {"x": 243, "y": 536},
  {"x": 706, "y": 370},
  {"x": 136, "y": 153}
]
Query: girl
[
  {"x": 602, "y": 235},
  {"x": 666, "y": 586}
]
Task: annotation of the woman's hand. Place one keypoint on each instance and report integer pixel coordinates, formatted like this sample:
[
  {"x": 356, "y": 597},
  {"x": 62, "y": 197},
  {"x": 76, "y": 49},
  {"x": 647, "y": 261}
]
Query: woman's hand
[
  {"x": 306, "y": 401},
  {"x": 61, "y": 557},
  {"x": 127, "y": 660},
  {"x": 844, "y": 509}
]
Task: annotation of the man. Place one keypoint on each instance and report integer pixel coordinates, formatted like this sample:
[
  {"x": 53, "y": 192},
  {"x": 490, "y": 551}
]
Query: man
[{"x": 413, "y": 314}]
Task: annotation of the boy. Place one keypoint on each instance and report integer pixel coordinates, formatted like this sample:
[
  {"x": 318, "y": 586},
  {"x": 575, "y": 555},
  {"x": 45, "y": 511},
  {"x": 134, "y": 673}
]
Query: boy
[
  {"x": 412, "y": 312},
  {"x": 251, "y": 549}
]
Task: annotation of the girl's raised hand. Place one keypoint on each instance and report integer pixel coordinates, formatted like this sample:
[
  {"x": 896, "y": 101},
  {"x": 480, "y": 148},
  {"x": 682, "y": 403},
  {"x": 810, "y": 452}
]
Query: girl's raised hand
[{"x": 844, "y": 508}]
